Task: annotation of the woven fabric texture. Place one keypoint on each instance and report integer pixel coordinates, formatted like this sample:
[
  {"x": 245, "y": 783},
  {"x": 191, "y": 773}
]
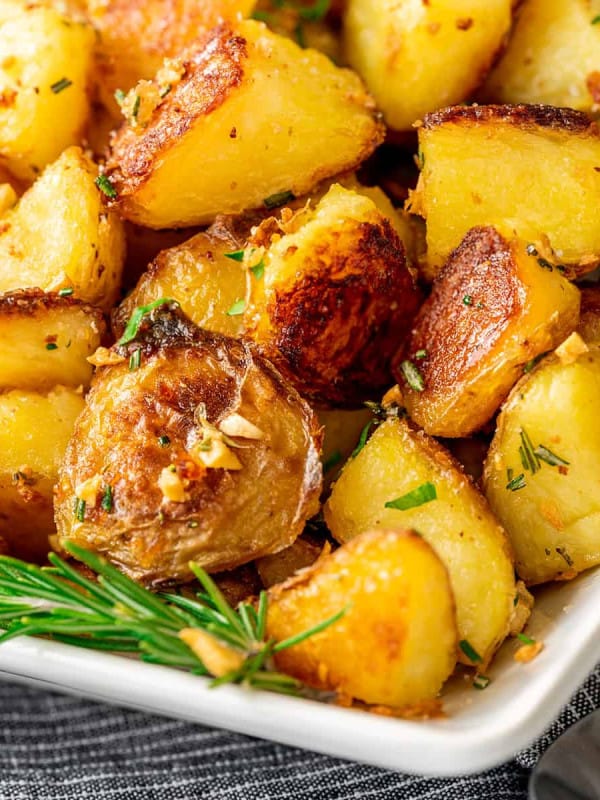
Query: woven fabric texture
[{"x": 54, "y": 747}]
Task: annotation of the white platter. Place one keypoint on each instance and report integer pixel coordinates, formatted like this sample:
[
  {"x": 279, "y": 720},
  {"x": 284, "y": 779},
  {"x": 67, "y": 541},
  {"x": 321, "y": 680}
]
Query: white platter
[{"x": 481, "y": 729}]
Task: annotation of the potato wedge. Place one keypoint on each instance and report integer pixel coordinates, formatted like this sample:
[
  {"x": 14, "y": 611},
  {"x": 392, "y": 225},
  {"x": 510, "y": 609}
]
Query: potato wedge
[
  {"x": 242, "y": 86},
  {"x": 552, "y": 187},
  {"x": 398, "y": 461},
  {"x": 494, "y": 307},
  {"x": 192, "y": 449},
  {"x": 34, "y": 431},
  {"x": 396, "y": 643},
  {"x": 45, "y": 340},
  {"x": 60, "y": 235},
  {"x": 551, "y": 509},
  {"x": 336, "y": 299},
  {"x": 418, "y": 56},
  {"x": 553, "y": 57},
  {"x": 45, "y": 66}
]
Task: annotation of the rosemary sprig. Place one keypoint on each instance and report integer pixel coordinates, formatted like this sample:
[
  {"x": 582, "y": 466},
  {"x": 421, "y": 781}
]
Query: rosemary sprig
[{"x": 114, "y": 613}]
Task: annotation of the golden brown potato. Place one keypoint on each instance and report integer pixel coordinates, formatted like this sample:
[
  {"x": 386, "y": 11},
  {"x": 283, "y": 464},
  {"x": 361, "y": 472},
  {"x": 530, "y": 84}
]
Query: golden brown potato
[
  {"x": 535, "y": 167},
  {"x": 195, "y": 449},
  {"x": 45, "y": 66},
  {"x": 336, "y": 298},
  {"x": 34, "y": 431},
  {"x": 396, "y": 643},
  {"x": 589, "y": 320},
  {"x": 45, "y": 340},
  {"x": 278, "y": 567},
  {"x": 238, "y": 131},
  {"x": 437, "y": 500},
  {"x": 60, "y": 235},
  {"x": 198, "y": 274},
  {"x": 418, "y": 56},
  {"x": 541, "y": 475},
  {"x": 144, "y": 245},
  {"x": 494, "y": 307},
  {"x": 553, "y": 57},
  {"x": 341, "y": 431}
]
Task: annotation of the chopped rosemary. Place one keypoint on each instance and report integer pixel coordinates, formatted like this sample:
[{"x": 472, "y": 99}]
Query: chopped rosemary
[
  {"x": 103, "y": 183},
  {"x": 60, "y": 85},
  {"x": 364, "y": 435},
  {"x": 107, "y": 504},
  {"x": 278, "y": 199},
  {"x": 424, "y": 493},
  {"x": 534, "y": 362},
  {"x": 516, "y": 483},
  {"x": 115, "y": 613},
  {"x": 237, "y": 308},
  {"x": 135, "y": 359},
  {"x": 412, "y": 376},
  {"x": 549, "y": 457},
  {"x": 165, "y": 90},
  {"x": 469, "y": 651},
  {"x": 481, "y": 682},
  {"x": 133, "y": 326},
  {"x": 545, "y": 264},
  {"x": 66, "y": 292},
  {"x": 79, "y": 509},
  {"x": 164, "y": 441},
  {"x": 332, "y": 461},
  {"x": 136, "y": 107},
  {"x": 51, "y": 346},
  {"x": 522, "y": 637},
  {"x": 529, "y": 459}
]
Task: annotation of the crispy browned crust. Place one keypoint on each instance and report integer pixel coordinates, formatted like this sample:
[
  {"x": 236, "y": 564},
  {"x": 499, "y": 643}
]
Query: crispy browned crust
[
  {"x": 213, "y": 69},
  {"x": 455, "y": 335},
  {"x": 33, "y": 302},
  {"x": 523, "y": 116},
  {"x": 334, "y": 332}
]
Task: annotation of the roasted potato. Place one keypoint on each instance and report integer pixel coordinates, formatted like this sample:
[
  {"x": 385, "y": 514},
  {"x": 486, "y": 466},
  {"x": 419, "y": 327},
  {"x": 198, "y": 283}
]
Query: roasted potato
[
  {"x": 535, "y": 167},
  {"x": 418, "y": 56},
  {"x": 45, "y": 340},
  {"x": 553, "y": 57},
  {"x": 45, "y": 65},
  {"x": 494, "y": 307},
  {"x": 336, "y": 299},
  {"x": 589, "y": 320},
  {"x": 240, "y": 86},
  {"x": 403, "y": 465},
  {"x": 541, "y": 475},
  {"x": 34, "y": 431},
  {"x": 61, "y": 236},
  {"x": 396, "y": 643},
  {"x": 193, "y": 449},
  {"x": 341, "y": 431}
]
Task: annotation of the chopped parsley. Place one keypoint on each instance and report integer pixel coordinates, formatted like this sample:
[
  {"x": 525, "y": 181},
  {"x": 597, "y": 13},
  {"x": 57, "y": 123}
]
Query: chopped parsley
[
  {"x": 468, "y": 300},
  {"x": 107, "y": 499},
  {"x": 236, "y": 255},
  {"x": 51, "y": 346},
  {"x": 420, "y": 355},
  {"x": 278, "y": 199},
  {"x": 133, "y": 326},
  {"x": 66, "y": 292},
  {"x": 60, "y": 85},
  {"x": 237, "y": 308},
  {"x": 417, "y": 497},
  {"x": 469, "y": 651},
  {"x": 412, "y": 376},
  {"x": 258, "y": 270},
  {"x": 103, "y": 183}
]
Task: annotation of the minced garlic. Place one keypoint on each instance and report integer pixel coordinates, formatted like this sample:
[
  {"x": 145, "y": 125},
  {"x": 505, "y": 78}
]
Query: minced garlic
[
  {"x": 103, "y": 357},
  {"x": 171, "y": 486},
  {"x": 214, "y": 454},
  {"x": 236, "y": 425}
]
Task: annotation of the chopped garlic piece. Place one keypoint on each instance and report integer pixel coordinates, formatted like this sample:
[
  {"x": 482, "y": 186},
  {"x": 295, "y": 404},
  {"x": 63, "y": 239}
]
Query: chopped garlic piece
[
  {"x": 528, "y": 652},
  {"x": 103, "y": 357},
  {"x": 171, "y": 486},
  {"x": 216, "y": 456},
  {"x": 88, "y": 490},
  {"x": 570, "y": 350},
  {"x": 218, "y": 658},
  {"x": 236, "y": 425}
]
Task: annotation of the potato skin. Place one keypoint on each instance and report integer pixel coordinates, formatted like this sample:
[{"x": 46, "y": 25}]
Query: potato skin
[
  {"x": 396, "y": 643},
  {"x": 553, "y": 521},
  {"x": 237, "y": 84},
  {"x": 458, "y": 524},
  {"x": 491, "y": 310},
  {"x": 226, "y": 518}
]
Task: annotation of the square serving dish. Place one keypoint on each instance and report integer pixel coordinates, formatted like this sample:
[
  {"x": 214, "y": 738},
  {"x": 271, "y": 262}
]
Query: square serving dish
[{"x": 481, "y": 728}]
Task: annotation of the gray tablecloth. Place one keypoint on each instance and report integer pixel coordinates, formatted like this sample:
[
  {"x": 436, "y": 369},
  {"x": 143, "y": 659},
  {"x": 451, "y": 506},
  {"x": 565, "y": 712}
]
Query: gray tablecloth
[{"x": 55, "y": 747}]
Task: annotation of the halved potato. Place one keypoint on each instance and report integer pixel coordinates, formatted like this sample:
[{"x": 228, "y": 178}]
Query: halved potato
[
  {"x": 193, "y": 448},
  {"x": 34, "y": 432},
  {"x": 336, "y": 299},
  {"x": 553, "y": 57},
  {"x": 400, "y": 463},
  {"x": 238, "y": 131},
  {"x": 396, "y": 643},
  {"x": 418, "y": 56},
  {"x": 494, "y": 307},
  {"x": 45, "y": 340},
  {"x": 542, "y": 475},
  {"x": 60, "y": 235},
  {"x": 549, "y": 192},
  {"x": 45, "y": 66}
]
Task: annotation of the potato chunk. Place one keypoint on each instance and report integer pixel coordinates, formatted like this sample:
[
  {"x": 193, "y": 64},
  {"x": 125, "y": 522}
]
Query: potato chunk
[
  {"x": 238, "y": 131},
  {"x": 535, "y": 167},
  {"x": 34, "y": 431},
  {"x": 45, "y": 340},
  {"x": 494, "y": 306},
  {"x": 418, "y": 56},
  {"x": 542, "y": 470},
  {"x": 194, "y": 449},
  {"x": 45, "y": 63},
  {"x": 553, "y": 57},
  {"x": 398, "y": 462},
  {"x": 396, "y": 643},
  {"x": 336, "y": 299},
  {"x": 60, "y": 235}
]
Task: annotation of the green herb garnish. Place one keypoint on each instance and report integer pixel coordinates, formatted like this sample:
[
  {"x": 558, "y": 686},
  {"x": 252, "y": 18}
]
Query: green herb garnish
[
  {"x": 525, "y": 639},
  {"x": 468, "y": 300},
  {"x": 420, "y": 355},
  {"x": 481, "y": 682},
  {"x": 332, "y": 461},
  {"x": 563, "y": 554},
  {"x": 103, "y": 183},
  {"x": 469, "y": 651},
  {"x": 136, "y": 106},
  {"x": 236, "y": 255},
  {"x": 60, "y": 85},
  {"x": 278, "y": 199},
  {"x": 258, "y": 270},
  {"x": 516, "y": 483},
  {"x": 237, "y": 308},
  {"x": 120, "y": 96},
  {"x": 79, "y": 509},
  {"x": 66, "y": 292},
  {"x": 51, "y": 346},
  {"x": 417, "y": 497},
  {"x": 133, "y": 326},
  {"x": 315, "y": 12},
  {"x": 164, "y": 441},
  {"x": 135, "y": 359},
  {"x": 107, "y": 499},
  {"x": 412, "y": 376},
  {"x": 529, "y": 459},
  {"x": 534, "y": 362},
  {"x": 549, "y": 457},
  {"x": 364, "y": 435},
  {"x": 596, "y": 20}
]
